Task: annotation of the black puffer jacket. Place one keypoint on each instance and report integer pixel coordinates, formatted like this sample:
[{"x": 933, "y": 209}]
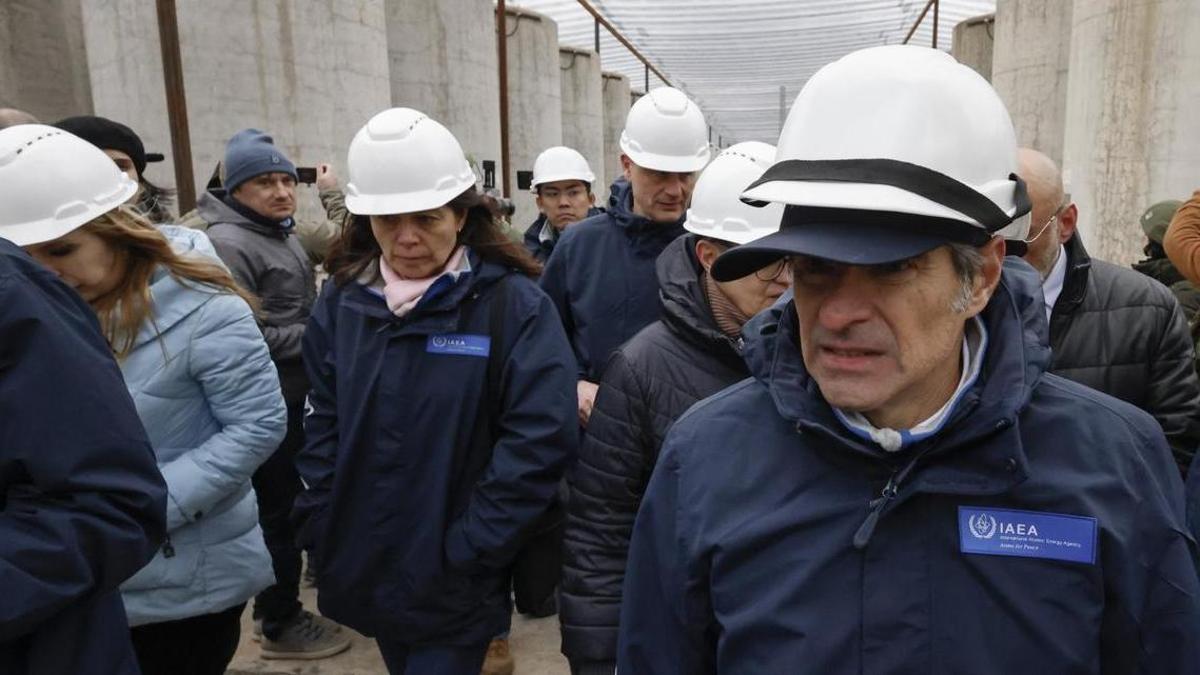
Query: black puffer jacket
[
  {"x": 647, "y": 384},
  {"x": 1124, "y": 334}
]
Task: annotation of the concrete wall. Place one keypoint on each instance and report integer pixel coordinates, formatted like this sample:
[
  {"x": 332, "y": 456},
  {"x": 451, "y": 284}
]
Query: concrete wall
[
  {"x": 534, "y": 99},
  {"x": 443, "y": 62},
  {"x": 616, "y": 108},
  {"x": 43, "y": 61},
  {"x": 583, "y": 106},
  {"x": 973, "y": 41},
  {"x": 1131, "y": 115},
  {"x": 309, "y": 72},
  {"x": 1030, "y": 64}
]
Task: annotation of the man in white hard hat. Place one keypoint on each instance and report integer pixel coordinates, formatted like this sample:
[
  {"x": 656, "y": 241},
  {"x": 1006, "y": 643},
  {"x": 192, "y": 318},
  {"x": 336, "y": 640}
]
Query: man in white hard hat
[
  {"x": 82, "y": 503},
  {"x": 692, "y": 352},
  {"x": 601, "y": 276},
  {"x": 901, "y": 486},
  {"x": 562, "y": 181}
]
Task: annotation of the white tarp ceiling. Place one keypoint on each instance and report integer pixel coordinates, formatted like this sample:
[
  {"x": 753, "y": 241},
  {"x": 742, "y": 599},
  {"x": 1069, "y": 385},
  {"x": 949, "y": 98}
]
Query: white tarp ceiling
[{"x": 732, "y": 56}]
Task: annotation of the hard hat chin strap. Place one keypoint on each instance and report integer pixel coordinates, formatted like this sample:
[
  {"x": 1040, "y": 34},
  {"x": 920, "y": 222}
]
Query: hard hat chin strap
[{"x": 919, "y": 180}]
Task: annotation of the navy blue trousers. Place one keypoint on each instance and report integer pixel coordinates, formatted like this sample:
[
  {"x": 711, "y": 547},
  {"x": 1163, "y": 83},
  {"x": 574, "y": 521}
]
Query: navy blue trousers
[{"x": 402, "y": 659}]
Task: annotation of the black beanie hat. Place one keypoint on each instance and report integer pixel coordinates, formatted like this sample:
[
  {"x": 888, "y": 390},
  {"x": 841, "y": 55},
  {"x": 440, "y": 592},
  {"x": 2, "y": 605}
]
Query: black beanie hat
[{"x": 109, "y": 135}]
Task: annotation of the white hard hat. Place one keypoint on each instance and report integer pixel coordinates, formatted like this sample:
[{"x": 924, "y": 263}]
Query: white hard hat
[
  {"x": 402, "y": 161},
  {"x": 887, "y": 153},
  {"x": 560, "y": 163},
  {"x": 53, "y": 182},
  {"x": 665, "y": 131},
  {"x": 716, "y": 209}
]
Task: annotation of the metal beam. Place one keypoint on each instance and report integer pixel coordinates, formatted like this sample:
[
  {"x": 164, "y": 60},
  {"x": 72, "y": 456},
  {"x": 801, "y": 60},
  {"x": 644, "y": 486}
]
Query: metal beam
[
  {"x": 621, "y": 38},
  {"x": 918, "y": 23},
  {"x": 181, "y": 143},
  {"x": 936, "y": 6},
  {"x": 502, "y": 53}
]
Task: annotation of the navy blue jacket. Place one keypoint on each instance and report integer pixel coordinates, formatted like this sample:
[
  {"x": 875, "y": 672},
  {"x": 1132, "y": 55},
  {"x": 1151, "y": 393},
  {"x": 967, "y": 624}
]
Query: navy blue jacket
[
  {"x": 82, "y": 504},
  {"x": 743, "y": 557},
  {"x": 603, "y": 281},
  {"x": 423, "y": 475},
  {"x": 541, "y": 250}
]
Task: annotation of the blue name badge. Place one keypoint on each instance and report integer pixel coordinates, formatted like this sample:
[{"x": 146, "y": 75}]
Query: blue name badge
[
  {"x": 1027, "y": 534},
  {"x": 459, "y": 345}
]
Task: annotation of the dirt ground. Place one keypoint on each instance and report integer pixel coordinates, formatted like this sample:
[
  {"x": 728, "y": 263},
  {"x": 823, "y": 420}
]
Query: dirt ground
[{"x": 535, "y": 644}]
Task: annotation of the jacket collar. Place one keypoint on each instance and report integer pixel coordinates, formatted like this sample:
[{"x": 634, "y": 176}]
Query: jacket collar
[
  {"x": 533, "y": 234},
  {"x": 214, "y": 208},
  {"x": 1079, "y": 265},
  {"x": 440, "y": 314},
  {"x": 979, "y": 450},
  {"x": 684, "y": 308}
]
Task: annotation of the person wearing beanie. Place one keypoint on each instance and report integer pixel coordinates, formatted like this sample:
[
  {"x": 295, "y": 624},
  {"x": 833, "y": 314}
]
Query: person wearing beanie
[
  {"x": 126, "y": 150},
  {"x": 252, "y": 229}
]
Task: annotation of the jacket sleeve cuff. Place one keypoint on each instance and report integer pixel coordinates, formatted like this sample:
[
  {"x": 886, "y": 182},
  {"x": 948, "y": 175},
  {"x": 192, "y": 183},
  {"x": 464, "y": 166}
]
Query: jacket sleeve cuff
[{"x": 593, "y": 667}]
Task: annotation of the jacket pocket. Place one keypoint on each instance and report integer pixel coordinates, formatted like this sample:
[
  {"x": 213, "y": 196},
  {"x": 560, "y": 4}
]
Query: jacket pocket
[{"x": 174, "y": 566}]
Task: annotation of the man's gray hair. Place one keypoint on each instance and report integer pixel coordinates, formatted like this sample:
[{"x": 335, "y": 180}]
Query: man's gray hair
[{"x": 968, "y": 263}]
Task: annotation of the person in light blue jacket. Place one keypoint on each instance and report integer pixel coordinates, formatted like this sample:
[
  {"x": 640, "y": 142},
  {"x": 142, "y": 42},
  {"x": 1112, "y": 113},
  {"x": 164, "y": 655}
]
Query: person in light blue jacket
[{"x": 202, "y": 380}]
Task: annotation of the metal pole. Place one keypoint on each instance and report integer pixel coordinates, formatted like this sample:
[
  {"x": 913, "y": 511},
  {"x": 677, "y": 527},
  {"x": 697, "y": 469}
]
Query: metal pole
[
  {"x": 181, "y": 143},
  {"x": 782, "y": 106},
  {"x": 597, "y": 28},
  {"x": 647, "y": 88},
  {"x": 936, "y": 5},
  {"x": 502, "y": 52},
  {"x": 918, "y": 23},
  {"x": 621, "y": 38}
]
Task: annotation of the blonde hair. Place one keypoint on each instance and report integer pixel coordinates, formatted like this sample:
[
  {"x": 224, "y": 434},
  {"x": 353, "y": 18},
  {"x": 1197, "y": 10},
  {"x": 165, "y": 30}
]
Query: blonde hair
[{"x": 141, "y": 248}]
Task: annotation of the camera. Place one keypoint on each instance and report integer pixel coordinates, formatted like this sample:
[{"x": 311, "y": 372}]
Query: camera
[{"x": 498, "y": 204}]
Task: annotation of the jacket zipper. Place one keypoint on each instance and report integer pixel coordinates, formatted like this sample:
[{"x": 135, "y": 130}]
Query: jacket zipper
[
  {"x": 865, "y": 531},
  {"x": 167, "y": 548}
]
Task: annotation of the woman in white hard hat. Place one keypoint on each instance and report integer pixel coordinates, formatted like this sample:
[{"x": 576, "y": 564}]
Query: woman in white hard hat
[
  {"x": 442, "y": 411},
  {"x": 201, "y": 379}
]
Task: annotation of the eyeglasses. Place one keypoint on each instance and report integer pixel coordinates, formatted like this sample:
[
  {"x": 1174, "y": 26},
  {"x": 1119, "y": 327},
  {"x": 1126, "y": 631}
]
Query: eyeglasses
[{"x": 773, "y": 271}]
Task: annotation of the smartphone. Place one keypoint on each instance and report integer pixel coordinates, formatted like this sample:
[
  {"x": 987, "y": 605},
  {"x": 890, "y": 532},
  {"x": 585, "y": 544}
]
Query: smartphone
[{"x": 306, "y": 174}]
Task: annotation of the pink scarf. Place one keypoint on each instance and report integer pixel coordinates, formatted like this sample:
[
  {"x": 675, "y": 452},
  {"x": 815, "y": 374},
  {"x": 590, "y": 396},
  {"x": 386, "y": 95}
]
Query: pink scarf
[{"x": 403, "y": 294}]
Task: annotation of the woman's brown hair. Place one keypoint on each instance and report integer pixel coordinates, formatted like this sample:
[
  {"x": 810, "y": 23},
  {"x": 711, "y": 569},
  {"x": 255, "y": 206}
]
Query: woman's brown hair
[
  {"x": 354, "y": 251},
  {"x": 141, "y": 248}
]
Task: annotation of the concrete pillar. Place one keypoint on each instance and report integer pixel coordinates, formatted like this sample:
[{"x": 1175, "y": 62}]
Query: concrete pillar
[
  {"x": 972, "y": 44},
  {"x": 309, "y": 72},
  {"x": 583, "y": 106},
  {"x": 1030, "y": 64},
  {"x": 43, "y": 61},
  {"x": 616, "y": 109},
  {"x": 443, "y": 62},
  {"x": 534, "y": 100},
  {"x": 1131, "y": 124}
]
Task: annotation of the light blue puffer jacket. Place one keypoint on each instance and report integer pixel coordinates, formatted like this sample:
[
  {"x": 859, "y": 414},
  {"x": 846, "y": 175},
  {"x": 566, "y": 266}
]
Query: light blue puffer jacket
[{"x": 207, "y": 392}]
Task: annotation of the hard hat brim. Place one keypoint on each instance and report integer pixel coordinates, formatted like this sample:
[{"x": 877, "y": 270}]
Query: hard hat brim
[
  {"x": 49, "y": 229},
  {"x": 865, "y": 244},
  {"x": 588, "y": 178},
  {"x": 411, "y": 202},
  {"x": 669, "y": 163}
]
